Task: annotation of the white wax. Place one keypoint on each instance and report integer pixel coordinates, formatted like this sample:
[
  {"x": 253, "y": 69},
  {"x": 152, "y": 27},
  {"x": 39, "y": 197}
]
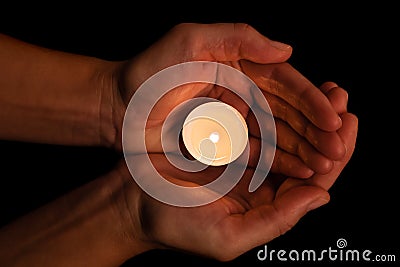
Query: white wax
[{"x": 215, "y": 133}]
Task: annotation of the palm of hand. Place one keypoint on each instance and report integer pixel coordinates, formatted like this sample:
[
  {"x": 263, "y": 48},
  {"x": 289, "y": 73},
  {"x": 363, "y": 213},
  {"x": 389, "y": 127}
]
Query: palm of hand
[{"x": 258, "y": 217}]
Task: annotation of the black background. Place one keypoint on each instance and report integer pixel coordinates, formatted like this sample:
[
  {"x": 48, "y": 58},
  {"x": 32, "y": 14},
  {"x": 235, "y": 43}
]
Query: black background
[{"x": 353, "y": 45}]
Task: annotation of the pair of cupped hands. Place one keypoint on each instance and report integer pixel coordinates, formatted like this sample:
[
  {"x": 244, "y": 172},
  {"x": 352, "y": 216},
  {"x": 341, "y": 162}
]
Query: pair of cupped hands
[{"x": 315, "y": 139}]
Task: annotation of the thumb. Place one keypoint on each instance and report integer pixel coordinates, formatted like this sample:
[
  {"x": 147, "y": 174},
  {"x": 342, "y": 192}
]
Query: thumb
[
  {"x": 235, "y": 41},
  {"x": 264, "y": 223},
  {"x": 287, "y": 209}
]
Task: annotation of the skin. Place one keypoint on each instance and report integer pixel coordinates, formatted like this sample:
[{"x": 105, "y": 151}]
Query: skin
[
  {"x": 54, "y": 97},
  {"x": 294, "y": 100}
]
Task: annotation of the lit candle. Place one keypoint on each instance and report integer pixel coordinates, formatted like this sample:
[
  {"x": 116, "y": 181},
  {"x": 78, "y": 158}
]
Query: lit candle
[{"x": 215, "y": 133}]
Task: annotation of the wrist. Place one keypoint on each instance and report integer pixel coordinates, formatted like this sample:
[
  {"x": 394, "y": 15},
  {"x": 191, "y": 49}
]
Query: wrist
[
  {"x": 111, "y": 105},
  {"x": 94, "y": 225},
  {"x": 125, "y": 203}
]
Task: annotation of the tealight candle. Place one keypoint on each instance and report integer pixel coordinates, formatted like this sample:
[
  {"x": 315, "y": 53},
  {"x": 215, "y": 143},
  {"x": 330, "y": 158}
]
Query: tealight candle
[{"x": 215, "y": 133}]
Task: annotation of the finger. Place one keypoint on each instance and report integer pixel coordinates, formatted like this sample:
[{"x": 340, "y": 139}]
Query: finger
[
  {"x": 327, "y": 86},
  {"x": 253, "y": 125},
  {"x": 282, "y": 162},
  {"x": 294, "y": 156},
  {"x": 264, "y": 223},
  {"x": 289, "y": 141},
  {"x": 287, "y": 83},
  {"x": 235, "y": 101},
  {"x": 348, "y": 133},
  {"x": 263, "y": 122},
  {"x": 327, "y": 143},
  {"x": 234, "y": 41},
  {"x": 337, "y": 96}
]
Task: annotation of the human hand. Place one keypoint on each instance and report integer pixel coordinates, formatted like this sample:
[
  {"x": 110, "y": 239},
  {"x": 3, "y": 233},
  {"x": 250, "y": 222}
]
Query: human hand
[
  {"x": 239, "y": 220},
  {"x": 225, "y": 43},
  {"x": 314, "y": 152},
  {"x": 305, "y": 120}
]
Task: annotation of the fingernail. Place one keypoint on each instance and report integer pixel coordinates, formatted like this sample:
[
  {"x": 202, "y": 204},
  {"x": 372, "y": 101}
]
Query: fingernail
[
  {"x": 339, "y": 122},
  {"x": 317, "y": 203},
  {"x": 281, "y": 46},
  {"x": 308, "y": 173}
]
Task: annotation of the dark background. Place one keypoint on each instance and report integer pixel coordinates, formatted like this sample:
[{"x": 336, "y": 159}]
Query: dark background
[{"x": 353, "y": 45}]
